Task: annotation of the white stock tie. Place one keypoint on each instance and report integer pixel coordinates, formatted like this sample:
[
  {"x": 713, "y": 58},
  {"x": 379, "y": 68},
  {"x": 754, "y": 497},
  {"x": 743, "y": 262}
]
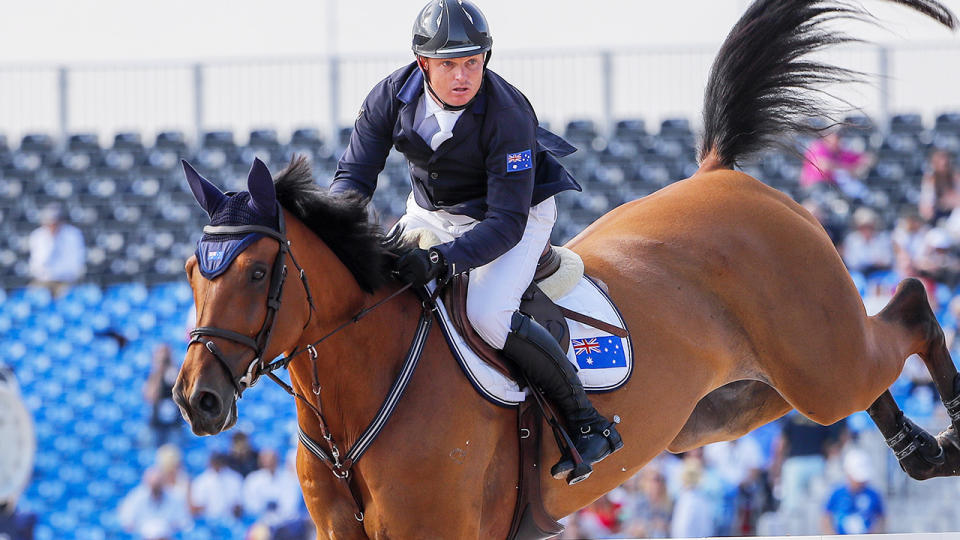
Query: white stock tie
[{"x": 446, "y": 120}]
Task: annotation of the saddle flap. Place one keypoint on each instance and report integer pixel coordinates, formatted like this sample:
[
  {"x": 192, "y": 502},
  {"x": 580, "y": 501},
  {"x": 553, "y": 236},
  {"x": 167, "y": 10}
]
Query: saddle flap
[
  {"x": 455, "y": 300},
  {"x": 533, "y": 303}
]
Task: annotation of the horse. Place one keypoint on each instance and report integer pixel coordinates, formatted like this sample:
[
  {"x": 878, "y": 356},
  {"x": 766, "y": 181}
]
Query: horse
[{"x": 739, "y": 306}]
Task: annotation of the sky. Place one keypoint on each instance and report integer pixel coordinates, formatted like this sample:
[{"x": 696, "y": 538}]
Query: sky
[{"x": 111, "y": 31}]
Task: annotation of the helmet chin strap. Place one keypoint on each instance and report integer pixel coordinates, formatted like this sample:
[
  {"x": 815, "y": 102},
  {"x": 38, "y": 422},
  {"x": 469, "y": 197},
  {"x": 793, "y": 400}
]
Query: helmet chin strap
[{"x": 446, "y": 106}]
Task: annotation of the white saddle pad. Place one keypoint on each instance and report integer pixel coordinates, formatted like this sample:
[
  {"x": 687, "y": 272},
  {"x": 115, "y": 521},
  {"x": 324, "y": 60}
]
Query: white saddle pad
[{"x": 605, "y": 362}]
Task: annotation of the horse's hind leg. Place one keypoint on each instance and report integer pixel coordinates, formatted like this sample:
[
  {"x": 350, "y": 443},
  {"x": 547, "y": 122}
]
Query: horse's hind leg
[
  {"x": 921, "y": 455},
  {"x": 729, "y": 412}
]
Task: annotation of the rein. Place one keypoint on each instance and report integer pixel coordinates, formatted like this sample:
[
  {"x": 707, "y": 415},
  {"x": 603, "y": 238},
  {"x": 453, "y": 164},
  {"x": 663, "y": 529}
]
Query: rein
[{"x": 257, "y": 367}]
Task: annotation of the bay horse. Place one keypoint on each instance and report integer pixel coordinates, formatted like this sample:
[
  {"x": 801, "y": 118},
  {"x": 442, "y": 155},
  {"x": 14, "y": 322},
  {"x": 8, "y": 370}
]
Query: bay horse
[{"x": 739, "y": 306}]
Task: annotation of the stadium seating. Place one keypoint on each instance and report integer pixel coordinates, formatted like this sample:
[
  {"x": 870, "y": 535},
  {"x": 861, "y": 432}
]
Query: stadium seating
[
  {"x": 81, "y": 361},
  {"x": 130, "y": 200}
]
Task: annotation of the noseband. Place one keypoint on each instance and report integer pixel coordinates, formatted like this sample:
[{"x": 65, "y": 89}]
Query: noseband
[{"x": 278, "y": 275}]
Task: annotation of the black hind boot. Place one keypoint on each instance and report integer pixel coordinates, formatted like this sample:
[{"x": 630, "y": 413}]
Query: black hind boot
[{"x": 532, "y": 348}]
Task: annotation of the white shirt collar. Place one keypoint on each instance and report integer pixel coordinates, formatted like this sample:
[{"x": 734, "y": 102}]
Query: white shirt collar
[{"x": 431, "y": 107}]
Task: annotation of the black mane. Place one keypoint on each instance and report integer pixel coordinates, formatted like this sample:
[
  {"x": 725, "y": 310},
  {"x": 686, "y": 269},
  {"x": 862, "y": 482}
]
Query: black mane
[{"x": 341, "y": 221}]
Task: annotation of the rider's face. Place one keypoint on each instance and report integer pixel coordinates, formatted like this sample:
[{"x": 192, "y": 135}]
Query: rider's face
[{"x": 455, "y": 80}]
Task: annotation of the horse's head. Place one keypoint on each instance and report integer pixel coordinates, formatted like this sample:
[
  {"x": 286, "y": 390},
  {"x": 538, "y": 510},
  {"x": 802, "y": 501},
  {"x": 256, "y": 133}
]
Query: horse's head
[{"x": 246, "y": 315}]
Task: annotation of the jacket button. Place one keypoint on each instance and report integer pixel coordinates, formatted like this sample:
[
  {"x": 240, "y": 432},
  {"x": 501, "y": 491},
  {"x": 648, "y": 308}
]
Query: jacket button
[{"x": 434, "y": 175}]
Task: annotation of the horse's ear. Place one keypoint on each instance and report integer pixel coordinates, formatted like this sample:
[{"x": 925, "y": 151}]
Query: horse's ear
[
  {"x": 263, "y": 196},
  {"x": 208, "y": 195}
]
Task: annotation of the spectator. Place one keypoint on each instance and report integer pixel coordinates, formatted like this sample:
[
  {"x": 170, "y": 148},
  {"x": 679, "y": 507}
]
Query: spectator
[
  {"x": 938, "y": 261},
  {"x": 907, "y": 241},
  {"x": 648, "y": 515},
  {"x": 694, "y": 511},
  {"x": 271, "y": 489},
  {"x": 153, "y": 511},
  {"x": 830, "y": 166},
  {"x": 242, "y": 456},
  {"x": 14, "y": 524},
  {"x": 951, "y": 325},
  {"x": 57, "y": 252},
  {"x": 216, "y": 492},
  {"x": 169, "y": 467},
  {"x": 165, "y": 418},
  {"x": 918, "y": 376},
  {"x": 867, "y": 248},
  {"x": 288, "y": 520},
  {"x": 939, "y": 189},
  {"x": 599, "y": 520},
  {"x": 802, "y": 456},
  {"x": 739, "y": 465},
  {"x": 855, "y": 507},
  {"x": 836, "y": 228}
]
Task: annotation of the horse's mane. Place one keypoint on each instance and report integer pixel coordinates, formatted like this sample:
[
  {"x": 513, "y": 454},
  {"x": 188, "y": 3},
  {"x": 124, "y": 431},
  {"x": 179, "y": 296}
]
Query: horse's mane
[
  {"x": 763, "y": 86},
  {"x": 341, "y": 221}
]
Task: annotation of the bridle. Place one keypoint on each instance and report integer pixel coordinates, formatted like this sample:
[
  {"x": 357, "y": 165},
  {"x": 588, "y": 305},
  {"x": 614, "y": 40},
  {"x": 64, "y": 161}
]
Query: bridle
[
  {"x": 278, "y": 276},
  {"x": 340, "y": 464}
]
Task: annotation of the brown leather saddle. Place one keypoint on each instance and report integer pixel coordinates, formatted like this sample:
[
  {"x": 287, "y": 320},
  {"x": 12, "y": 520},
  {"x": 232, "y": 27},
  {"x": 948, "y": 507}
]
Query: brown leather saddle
[
  {"x": 534, "y": 303},
  {"x": 530, "y": 519}
]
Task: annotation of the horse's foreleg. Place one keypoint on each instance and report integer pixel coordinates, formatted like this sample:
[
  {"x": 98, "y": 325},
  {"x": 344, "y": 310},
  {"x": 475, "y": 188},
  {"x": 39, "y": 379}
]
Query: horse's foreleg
[
  {"x": 920, "y": 454},
  {"x": 729, "y": 412}
]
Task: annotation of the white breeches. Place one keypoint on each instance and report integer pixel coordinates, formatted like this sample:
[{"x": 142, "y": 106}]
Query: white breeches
[{"x": 495, "y": 288}]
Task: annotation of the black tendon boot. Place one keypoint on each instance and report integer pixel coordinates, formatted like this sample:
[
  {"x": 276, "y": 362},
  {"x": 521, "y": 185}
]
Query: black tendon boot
[{"x": 532, "y": 348}]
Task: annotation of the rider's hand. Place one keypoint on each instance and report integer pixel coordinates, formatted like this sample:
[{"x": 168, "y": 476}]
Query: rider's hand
[{"x": 419, "y": 266}]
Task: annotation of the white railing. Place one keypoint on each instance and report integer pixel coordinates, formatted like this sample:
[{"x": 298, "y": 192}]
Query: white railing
[{"x": 284, "y": 94}]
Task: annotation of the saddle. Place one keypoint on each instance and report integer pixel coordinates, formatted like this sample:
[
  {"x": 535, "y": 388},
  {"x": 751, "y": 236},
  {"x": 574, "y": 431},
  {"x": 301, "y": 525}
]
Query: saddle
[
  {"x": 534, "y": 303},
  {"x": 530, "y": 520}
]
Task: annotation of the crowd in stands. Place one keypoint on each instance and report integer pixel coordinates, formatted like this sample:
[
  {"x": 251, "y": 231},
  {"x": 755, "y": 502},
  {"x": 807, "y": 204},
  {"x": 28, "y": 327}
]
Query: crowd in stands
[
  {"x": 887, "y": 200},
  {"x": 167, "y": 501}
]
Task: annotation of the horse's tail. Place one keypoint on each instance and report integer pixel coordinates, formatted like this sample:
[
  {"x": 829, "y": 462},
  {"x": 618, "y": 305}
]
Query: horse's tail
[{"x": 763, "y": 86}]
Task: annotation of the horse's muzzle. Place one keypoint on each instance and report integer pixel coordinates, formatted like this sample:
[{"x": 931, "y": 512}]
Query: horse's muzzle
[{"x": 206, "y": 411}]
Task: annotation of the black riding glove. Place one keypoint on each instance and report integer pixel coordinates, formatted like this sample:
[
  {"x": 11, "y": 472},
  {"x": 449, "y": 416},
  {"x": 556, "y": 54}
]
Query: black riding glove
[{"x": 419, "y": 266}]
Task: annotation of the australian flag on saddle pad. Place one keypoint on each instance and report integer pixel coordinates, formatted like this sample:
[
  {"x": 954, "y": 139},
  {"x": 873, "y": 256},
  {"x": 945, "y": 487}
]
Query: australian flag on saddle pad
[{"x": 602, "y": 352}]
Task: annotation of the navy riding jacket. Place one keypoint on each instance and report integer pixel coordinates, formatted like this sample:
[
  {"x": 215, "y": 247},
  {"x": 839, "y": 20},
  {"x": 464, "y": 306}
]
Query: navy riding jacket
[{"x": 498, "y": 164}]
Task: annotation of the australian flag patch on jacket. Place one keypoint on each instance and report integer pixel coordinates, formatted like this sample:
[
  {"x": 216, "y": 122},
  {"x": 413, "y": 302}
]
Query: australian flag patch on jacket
[{"x": 519, "y": 161}]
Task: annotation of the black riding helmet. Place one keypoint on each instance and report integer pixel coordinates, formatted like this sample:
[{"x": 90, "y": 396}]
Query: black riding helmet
[{"x": 451, "y": 29}]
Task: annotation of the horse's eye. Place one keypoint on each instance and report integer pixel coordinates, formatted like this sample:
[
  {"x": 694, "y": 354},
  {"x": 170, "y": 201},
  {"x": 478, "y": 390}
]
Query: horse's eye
[{"x": 258, "y": 275}]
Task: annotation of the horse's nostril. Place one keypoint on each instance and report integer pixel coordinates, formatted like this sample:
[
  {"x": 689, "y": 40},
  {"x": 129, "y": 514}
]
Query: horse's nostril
[{"x": 209, "y": 404}]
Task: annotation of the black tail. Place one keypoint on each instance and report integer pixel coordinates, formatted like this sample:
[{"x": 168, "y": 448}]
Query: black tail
[{"x": 762, "y": 85}]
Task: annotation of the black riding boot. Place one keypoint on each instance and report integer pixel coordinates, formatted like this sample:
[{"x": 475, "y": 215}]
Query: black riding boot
[{"x": 536, "y": 352}]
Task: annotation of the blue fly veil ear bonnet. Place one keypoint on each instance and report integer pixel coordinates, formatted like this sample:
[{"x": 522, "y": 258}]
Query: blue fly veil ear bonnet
[
  {"x": 255, "y": 211},
  {"x": 236, "y": 221}
]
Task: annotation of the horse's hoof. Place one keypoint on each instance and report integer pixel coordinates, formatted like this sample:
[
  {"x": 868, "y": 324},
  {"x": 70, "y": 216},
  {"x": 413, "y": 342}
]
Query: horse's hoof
[
  {"x": 950, "y": 443},
  {"x": 929, "y": 457}
]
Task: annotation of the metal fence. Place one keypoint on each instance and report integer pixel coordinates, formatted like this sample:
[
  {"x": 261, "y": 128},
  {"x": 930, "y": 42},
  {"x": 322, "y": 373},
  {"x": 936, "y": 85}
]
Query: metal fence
[{"x": 285, "y": 94}]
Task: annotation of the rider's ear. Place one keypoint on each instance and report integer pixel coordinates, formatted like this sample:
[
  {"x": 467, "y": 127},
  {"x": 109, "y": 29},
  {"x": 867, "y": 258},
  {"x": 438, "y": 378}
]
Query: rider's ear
[
  {"x": 263, "y": 196},
  {"x": 422, "y": 62},
  {"x": 208, "y": 195}
]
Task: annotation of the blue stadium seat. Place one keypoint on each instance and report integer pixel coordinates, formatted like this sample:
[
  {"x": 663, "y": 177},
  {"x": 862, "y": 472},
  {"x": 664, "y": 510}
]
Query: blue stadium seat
[
  {"x": 37, "y": 142},
  {"x": 906, "y": 123},
  {"x": 88, "y": 294},
  {"x": 36, "y": 297}
]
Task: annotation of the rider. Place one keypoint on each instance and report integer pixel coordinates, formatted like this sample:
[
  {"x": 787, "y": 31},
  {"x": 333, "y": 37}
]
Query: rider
[{"x": 484, "y": 176}]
